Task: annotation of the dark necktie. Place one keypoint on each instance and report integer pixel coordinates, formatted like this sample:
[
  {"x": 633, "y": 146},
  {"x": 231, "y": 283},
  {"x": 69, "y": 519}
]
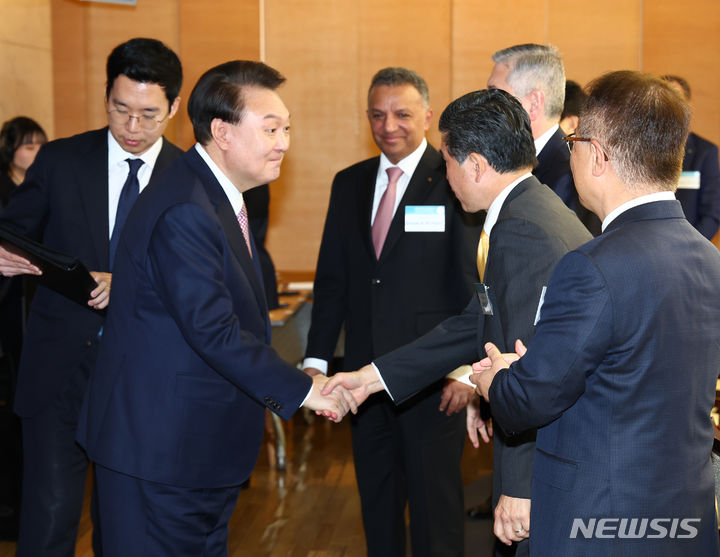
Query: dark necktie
[{"x": 128, "y": 195}]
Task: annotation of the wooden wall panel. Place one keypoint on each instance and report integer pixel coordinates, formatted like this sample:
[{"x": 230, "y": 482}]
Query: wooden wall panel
[
  {"x": 481, "y": 28},
  {"x": 609, "y": 40},
  {"x": 683, "y": 39},
  {"x": 26, "y": 62},
  {"x": 211, "y": 34},
  {"x": 329, "y": 66}
]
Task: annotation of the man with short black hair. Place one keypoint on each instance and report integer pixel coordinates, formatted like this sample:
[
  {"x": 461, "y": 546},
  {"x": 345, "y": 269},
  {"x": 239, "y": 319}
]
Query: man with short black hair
[
  {"x": 620, "y": 375},
  {"x": 175, "y": 410},
  {"x": 74, "y": 200}
]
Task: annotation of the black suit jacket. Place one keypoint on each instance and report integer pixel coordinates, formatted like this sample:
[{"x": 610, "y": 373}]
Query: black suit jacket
[
  {"x": 702, "y": 206},
  {"x": 64, "y": 204},
  {"x": 534, "y": 230},
  {"x": 553, "y": 169},
  {"x": 420, "y": 278}
]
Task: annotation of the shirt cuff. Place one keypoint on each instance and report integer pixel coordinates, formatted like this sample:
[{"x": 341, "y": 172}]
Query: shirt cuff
[
  {"x": 377, "y": 372},
  {"x": 317, "y": 363},
  {"x": 462, "y": 374},
  {"x": 307, "y": 396}
]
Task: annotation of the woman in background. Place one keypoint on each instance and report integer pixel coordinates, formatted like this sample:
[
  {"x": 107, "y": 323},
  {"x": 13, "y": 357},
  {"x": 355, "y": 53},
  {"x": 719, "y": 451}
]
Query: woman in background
[{"x": 20, "y": 141}]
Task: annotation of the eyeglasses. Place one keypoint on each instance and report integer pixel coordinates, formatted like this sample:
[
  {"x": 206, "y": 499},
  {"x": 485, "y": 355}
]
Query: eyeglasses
[
  {"x": 572, "y": 138},
  {"x": 120, "y": 117}
]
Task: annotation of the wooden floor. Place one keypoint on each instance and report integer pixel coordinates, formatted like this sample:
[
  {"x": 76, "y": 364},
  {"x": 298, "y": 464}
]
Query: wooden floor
[{"x": 312, "y": 509}]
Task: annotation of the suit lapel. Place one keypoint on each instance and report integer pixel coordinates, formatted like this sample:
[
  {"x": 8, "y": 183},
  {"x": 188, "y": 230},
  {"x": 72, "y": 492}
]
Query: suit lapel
[
  {"x": 427, "y": 172},
  {"x": 231, "y": 228},
  {"x": 91, "y": 170},
  {"x": 365, "y": 188}
]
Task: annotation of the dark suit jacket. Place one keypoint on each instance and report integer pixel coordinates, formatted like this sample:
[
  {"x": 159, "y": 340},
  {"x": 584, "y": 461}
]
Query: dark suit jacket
[
  {"x": 553, "y": 170},
  {"x": 621, "y": 374},
  {"x": 420, "y": 279},
  {"x": 534, "y": 230},
  {"x": 702, "y": 206},
  {"x": 185, "y": 370},
  {"x": 64, "y": 204}
]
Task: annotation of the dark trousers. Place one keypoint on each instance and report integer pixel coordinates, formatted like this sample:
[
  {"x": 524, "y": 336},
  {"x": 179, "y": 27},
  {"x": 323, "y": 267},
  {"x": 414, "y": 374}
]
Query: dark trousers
[
  {"x": 142, "y": 518},
  {"x": 54, "y": 473},
  {"x": 410, "y": 456}
]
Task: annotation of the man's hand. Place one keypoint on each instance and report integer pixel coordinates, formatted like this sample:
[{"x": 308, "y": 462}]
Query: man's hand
[
  {"x": 13, "y": 264},
  {"x": 455, "y": 396},
  {"x": 476, "y": 424},
  {"x": 312, "y": 371},
  {"x": 334, "y": 404},
  {"x": 100, "y": 296},
  {"x": 512, "y": 519},
  {"x": 361, "y": 383},
  {"x": 485, "y": 370}
]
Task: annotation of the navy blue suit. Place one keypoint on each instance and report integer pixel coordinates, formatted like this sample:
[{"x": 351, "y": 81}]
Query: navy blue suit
[
  {"x": 702, "y": 206},
  {"x": 184, "y": 371},
  {"x": 620, "y": 379},
  {"x": 64, "y": 204}
]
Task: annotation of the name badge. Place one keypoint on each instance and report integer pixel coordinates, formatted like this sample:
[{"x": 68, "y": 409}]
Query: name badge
[
  {"x": 689, "y": 180},
  {"x": 425, "y": 218},
  {"x": 540, "y": 305},
  {"x": 482, "y": 291}
]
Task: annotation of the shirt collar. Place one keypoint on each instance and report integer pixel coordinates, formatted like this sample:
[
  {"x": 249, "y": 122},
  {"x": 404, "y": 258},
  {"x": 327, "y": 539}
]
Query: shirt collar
[
  {"x": 541, "y": 141},
  {"x": 407, "y": 165},
  {"x": 117, "y": 154},
  {"x": 494, "y": 209},
  {"x": 233, "y": 194},
  {"x": 642, "y": 200}
]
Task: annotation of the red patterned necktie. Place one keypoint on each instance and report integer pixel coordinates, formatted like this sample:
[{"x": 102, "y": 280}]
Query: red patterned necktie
[
  {"x": 242, "y": 218},
  {"x": 384, "y": 214}
]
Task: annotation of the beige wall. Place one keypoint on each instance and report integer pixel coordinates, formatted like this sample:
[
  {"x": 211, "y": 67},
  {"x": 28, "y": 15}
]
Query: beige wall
[{"x": 53, "y": 55}]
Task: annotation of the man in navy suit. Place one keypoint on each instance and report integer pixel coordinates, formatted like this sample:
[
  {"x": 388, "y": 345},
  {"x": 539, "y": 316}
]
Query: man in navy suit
[
  {"x": 701, "y": 201},
  {"x": 70, "y": 201},
  {"x": 620, "y": 375},
  {"x": 175, "y": 410},
  {"x": 535, "y": 74}
]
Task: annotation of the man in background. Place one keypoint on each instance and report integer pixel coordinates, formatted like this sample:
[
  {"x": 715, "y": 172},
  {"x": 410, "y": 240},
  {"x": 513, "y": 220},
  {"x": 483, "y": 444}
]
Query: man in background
[
  {"x": 575, "y": 99},
  {"x": 535, "y": 74},
  {"x": 74, "y": 200},
  {"x": 395, "y": 260},
  {"x": 699, "y": 187},
  {"x": 620, "y": 376}
]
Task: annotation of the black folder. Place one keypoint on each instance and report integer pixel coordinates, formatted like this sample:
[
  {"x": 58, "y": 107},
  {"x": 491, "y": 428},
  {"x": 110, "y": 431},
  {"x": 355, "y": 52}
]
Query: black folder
[{"x": 60, "y": 272}]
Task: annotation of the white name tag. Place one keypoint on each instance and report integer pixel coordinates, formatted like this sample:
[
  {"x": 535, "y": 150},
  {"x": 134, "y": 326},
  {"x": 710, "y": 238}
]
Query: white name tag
[
  {"x": 425, "y": 218},
  {"x": 689, "y": 180},
  {"x": 540, "y": 305}
]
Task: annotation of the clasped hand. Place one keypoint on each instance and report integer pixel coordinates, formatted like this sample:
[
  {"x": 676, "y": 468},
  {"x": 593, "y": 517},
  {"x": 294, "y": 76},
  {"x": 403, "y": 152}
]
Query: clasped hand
[
  {"x": 485, "y": 370},
  {"x": 334, "y": 404}
]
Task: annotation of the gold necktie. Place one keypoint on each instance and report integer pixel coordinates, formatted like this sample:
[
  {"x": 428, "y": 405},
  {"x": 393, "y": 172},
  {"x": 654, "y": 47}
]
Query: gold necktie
[{"x": 482, "y": 253}]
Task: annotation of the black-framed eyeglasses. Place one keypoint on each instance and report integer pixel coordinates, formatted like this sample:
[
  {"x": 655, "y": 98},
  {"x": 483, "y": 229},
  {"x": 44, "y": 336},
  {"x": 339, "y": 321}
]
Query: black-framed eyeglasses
[
  {"x": 572, "y": 138},
  {"x": 120, "y": 117}
]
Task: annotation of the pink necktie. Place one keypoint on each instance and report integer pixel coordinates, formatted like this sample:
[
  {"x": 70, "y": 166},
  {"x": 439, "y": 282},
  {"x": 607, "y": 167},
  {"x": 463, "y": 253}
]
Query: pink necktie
[
  {"x": 384, "y": 214},
  {"x": 242, "y": 218}
]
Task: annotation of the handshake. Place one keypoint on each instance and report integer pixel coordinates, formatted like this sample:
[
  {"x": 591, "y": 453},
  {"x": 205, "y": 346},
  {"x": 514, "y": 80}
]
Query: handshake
[{"x": 334, "y": 397}]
